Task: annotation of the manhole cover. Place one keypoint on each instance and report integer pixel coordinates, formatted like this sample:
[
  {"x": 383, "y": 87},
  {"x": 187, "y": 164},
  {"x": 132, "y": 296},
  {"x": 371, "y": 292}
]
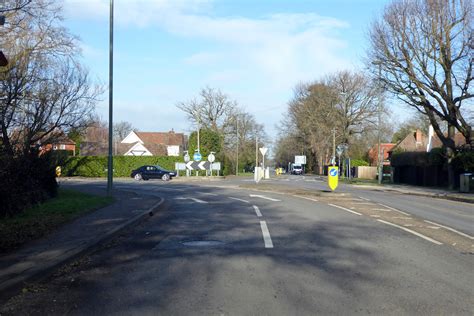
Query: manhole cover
[{"x": 202, "y": 243}]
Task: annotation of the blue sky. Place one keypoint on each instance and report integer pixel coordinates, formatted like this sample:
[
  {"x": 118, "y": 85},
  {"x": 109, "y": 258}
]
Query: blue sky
[{"x": 254, "y": 51}]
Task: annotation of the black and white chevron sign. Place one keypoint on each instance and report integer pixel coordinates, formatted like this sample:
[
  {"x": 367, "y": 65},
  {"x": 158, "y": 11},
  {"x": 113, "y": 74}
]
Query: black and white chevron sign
[{"x": 198, "y": 165}]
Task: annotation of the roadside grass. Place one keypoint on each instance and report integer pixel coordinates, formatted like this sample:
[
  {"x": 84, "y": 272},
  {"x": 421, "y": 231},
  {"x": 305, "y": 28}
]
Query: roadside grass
[{"x": 41, "y": 219}]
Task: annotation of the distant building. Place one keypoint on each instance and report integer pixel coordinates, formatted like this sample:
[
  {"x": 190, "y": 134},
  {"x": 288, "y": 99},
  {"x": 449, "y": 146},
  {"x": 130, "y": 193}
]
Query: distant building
[
  {"x": 140, "y": 144},
  {"x": 373, "y": 153},
  {"x": 418, "y": 141},
  {"x": 154, "y": 143},
  {"x": 56, "y": 141}
]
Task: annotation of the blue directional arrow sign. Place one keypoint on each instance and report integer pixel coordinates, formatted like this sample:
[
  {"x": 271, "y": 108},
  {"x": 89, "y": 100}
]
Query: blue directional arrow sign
[{"x": 197, "y": 157}]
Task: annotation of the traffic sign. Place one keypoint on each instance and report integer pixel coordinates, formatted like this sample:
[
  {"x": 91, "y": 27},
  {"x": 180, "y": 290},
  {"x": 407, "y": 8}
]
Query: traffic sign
[
  {"x": 186, "y": 157},
  {"x": 58, "y": 171},
  {"x": 300, "y": 160},
  {"x": 197, "y": 157},
  {"x": 333, "y": 177},
  {"x": 263, "y": 150},
  {"x": 196, "y": 165},
  {"x": 211, "y": 157}
]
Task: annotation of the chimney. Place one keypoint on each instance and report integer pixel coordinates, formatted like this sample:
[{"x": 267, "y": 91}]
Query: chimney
[{"x": 418, "y": 136}]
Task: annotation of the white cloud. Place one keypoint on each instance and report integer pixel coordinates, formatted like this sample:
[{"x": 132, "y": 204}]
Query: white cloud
[{"x": 275, "y": 51}]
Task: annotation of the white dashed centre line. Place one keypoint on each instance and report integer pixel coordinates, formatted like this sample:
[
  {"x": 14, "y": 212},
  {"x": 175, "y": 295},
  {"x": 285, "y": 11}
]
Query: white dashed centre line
[
  {"x": 237, "y": 199},
  {"x": 199, "y": 201},
  {"x": 257, "y": 210},
  {"x": 264, "y": 197},
  {"x": 206, "y": 193},
  {"x": 267, "y": 239}
]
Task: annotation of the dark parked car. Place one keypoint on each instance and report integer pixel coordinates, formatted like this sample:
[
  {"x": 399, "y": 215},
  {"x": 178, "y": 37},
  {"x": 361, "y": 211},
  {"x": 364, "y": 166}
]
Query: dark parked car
[{"x": 152, "y": 172}]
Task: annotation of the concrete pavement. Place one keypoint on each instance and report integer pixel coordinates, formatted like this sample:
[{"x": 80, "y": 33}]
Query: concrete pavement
[{"x": 37, "y": 259}]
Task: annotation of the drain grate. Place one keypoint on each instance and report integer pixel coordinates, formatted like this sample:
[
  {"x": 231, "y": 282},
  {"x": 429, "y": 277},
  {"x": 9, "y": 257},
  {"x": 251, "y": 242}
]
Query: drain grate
[{"x": 202, "y": 243}]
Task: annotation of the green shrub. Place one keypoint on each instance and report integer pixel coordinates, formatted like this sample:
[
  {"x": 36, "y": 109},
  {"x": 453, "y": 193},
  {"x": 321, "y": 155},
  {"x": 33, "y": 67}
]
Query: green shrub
[
  {"x": 96, "y": 166},
  {"x": 358, "y": 163}
]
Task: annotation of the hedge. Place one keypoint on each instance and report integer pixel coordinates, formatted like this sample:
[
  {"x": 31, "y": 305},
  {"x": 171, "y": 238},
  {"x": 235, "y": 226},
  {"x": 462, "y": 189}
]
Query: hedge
[
  {"x": 96, "y": 166},
  {"x": 432, "y": 158},
  {"x": 25, "y": 181}
]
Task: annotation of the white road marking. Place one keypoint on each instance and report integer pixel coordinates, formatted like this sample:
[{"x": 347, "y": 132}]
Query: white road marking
[
  {"x": 305, "y": 197},
  {"x": 199, "y": 201},
  {"x": 237, "y": 199},
  {"x": 411, "y": 232},
  {"x": 394, "y": 209},
  {"x": 363, "y": 198},
  {"x": 190, "y": 198},
  {"x": 381, "y": 210},
  {"x": 345, "y": 209},
  {"x": 257, "y": 210},
  {"x": 206, "y": 193},
  {"x": 363, "y": 203},
  {"x": 451, "y": 229},
  {"x": 267, "y": 239},
  {"x": 264, "y": 197}
]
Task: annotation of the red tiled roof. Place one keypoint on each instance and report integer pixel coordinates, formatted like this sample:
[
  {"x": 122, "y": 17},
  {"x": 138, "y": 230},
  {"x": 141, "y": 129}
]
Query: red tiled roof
[{"x": 170, "y": 138}]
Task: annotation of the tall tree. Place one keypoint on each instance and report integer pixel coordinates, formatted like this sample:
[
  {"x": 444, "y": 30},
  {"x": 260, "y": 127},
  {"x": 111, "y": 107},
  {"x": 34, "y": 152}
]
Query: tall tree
[
  {"x": 422, "y": 50},
  {"x": 210, "y": 110},
  {"x": 43, "y": 88},
  {"x": 358, "y": 105}
]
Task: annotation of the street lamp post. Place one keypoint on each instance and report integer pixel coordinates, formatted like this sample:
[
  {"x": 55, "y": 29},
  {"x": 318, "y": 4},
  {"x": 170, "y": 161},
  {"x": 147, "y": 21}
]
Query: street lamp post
[
  {"x": 111, "y": 94},
  {"x": 379, "y": 120},
  {"x": 237, "y": 163}
]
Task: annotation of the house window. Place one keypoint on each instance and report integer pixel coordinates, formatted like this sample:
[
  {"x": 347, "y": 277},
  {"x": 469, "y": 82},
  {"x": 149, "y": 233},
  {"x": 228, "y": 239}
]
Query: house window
[{"x": 62, "y": 147}]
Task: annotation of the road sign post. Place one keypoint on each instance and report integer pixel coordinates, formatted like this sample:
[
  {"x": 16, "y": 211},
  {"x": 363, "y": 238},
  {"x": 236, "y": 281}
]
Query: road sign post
[
  {"x": 263, "y": 151},
  {"x": 211, "y": 158},
  {"x": 333, "y": 179}
]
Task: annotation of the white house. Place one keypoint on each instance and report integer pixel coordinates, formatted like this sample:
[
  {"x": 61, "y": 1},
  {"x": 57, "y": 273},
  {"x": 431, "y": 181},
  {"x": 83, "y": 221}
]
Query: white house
[{"x": 154, "y": 143}]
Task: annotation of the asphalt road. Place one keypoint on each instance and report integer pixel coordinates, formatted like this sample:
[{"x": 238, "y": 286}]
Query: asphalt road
[
  {"x": 457, "y": 215},
  {"x": 227, "y": 251}
]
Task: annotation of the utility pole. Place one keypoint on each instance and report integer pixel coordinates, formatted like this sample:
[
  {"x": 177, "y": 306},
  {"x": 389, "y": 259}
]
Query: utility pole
[
  {"x": 110, "y": 163},
  {"x": 334, "y": 146},
  {"x": 198, "y": 128},
  {"x": 379, "y": 121}
]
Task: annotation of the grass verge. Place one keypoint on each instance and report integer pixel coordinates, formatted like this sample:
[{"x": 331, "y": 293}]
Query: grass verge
[{"x": 40, "y": 220}]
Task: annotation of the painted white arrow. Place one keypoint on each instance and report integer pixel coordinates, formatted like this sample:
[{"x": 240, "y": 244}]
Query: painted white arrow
[
  {"x": 189, "y": 165},
  {"x": 201, "y": 165},
  {"x": 264, "y": 197}
]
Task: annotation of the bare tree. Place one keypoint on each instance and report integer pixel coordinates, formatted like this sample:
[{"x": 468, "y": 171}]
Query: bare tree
[
  {"x": 13, "y": 5},
  {"x": 43, "y": 89},
  {"x": 358, "y": 106},
  {"x": 211, "y": 110},
  {"x": 422, "y": 50},
  {"x": 122, "y": 129},
  {"x": 344, "y": 104}
]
